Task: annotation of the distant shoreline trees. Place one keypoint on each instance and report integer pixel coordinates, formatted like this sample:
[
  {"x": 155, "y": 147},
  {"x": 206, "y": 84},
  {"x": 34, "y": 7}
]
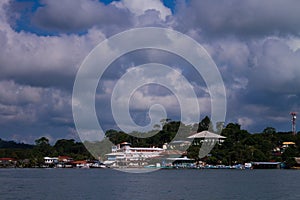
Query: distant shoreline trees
[{"x": 239, "y": 147}]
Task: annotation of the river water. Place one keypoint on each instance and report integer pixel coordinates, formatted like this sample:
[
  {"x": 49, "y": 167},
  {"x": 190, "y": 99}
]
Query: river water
[{"x": 162, "y": 184}]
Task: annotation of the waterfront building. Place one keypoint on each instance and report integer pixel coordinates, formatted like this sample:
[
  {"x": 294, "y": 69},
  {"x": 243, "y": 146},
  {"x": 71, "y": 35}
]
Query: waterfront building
[
  {"x": 64, "y": 159},
  {"x": 207, "y": 137},
  {"x": 287, "y": 144},
  {"x": 123, "y": 155},
  {"x": 266, "y": 165},
  {"x": 184, "y": 162},
  {"x": 81, "y": 164},
  {"x": 50, "y": 160},
  {"x": 7, "y": 162}
]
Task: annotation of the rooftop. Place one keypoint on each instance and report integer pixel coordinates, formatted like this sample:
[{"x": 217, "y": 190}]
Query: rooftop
[{"x": 207, "y": 134}]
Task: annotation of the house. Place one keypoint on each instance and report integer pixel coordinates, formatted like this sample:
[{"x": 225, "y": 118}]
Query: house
[
  {"x": 287, "y": 144},
  {"x": 277, "y": 151},
  {"x": 64, "y": 159},
  {"x": 183, "y": 162},
  {"x": 50, "y": 160},
  {"x": 266, "y": 165},
  {"x": 64, "y": 162},
  {"x": 8, "y": 162},
  {"x": 80, "y": 164}
]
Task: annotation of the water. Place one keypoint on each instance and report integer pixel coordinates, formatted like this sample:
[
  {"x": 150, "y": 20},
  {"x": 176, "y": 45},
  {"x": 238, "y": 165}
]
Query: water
[{"x": 163, "y": 184}]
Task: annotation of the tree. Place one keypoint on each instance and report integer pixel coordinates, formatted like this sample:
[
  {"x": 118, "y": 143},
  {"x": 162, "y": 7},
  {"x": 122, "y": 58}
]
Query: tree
[
  {"x": 64, "y": 146},
  {"x": 269, "y": 130},
  {"x": 290, "y": 162},
  {"x": 219, "y": 127},
  {"x": 42, "y": 148},
  {"x": 259, "y": 156},
  {"x": 289, "y": 152},
  {"x": 165, "y": 121},
  {"x": 204, "y": 124},
  {"x": 43, "y": 141}
]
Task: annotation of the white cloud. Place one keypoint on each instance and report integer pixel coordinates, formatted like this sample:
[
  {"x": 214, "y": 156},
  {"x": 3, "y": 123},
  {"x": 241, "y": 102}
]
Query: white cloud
[
  {"x": 245, "y": 122},
  {"x": 293, "y": 43},
  {"x": 133, "y": 91},
  {"x": 42, "y": 60},
  {"x": 33, "y": 54},
  {"x": 14, "y": 94},
  {"x": 14, "y": 114},
  {"x": 140, "y": 7}
]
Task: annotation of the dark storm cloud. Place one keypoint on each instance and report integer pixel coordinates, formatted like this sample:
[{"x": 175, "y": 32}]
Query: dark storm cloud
[
  {"x": 277, "y": 68},
  {"x": 26, "y": 111},
  {"x": 253, "y": 44},
  {"x": 79, "y": 15},
  {"x": 266, "y": 89},
  {"x": 247, "y": 18}
]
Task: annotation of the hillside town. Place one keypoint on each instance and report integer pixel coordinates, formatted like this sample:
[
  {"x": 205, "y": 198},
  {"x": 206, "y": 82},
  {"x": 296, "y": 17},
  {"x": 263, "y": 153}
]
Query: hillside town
[{"x": 233, "y": 149}]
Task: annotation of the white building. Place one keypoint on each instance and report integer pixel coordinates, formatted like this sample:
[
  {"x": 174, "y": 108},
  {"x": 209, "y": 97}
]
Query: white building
[
  {"x": 50, "y": 160},
  {"x": 123, "y": 155}
]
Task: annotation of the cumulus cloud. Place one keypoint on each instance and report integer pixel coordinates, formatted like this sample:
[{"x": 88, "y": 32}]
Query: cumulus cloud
[
  {"x": 140, "y": 7},
  {"x": 27, "y": 113},
  {"x": 11, "y": 93},
  {"x": 260, "y": 77},
  {"x": 277, "y": 67},
  {"x": 255, "y": 45},
  {"x": 129, "y": 92},
  {"x": 27, "y": 57},
  {"x": 28, "y": 104},
  {"x": 37, "y": 71}
]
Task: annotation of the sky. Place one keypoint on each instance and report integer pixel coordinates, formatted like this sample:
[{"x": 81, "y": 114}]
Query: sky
[{"x": 254, "y": 44}]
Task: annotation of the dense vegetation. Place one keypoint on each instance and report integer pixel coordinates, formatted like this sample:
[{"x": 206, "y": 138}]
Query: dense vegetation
[
  {"x": 239, "y": 147},
  {"x": 32, "y": 155}
]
